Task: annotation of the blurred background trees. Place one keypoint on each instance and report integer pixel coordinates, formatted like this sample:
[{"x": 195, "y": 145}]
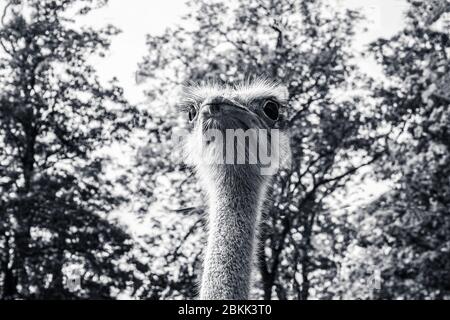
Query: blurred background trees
[
  {"x": 65, "y": 205},
  {"x": 413, "y": 218},
  {"x": 56, "y": 120}
]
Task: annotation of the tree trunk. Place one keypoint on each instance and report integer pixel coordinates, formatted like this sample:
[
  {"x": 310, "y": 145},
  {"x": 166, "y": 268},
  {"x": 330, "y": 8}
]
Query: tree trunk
[
  {"x": 266, "y": 277},
  {"x": 10, "y": 279},
  {"x": 305, "y": 282}
]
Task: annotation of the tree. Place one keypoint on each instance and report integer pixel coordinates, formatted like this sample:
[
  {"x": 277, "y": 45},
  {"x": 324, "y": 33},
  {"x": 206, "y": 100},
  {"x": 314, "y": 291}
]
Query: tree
[
  {"x": 305, "y": 45},
  {"x": 55, "y": 193},
  {"x": 408, "y": 227}
]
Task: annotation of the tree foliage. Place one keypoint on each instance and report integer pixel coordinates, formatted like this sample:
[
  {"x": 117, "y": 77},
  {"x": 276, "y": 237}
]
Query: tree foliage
[
  {"x": 55, "y": 119},
  {"x": 408, "y": 227}
]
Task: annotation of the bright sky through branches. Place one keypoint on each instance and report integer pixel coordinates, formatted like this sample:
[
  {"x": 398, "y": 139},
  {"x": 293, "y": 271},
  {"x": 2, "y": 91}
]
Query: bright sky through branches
[{"x": 136, "y": 18}]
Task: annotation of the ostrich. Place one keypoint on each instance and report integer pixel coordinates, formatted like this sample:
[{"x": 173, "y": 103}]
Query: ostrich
[{"x": 235, "y": 192}]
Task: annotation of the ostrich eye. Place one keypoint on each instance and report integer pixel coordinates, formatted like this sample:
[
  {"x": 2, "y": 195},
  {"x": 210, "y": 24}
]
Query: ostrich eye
[
  {"x": 271, "y": 110},
  {"x": 192, "y": 113}
]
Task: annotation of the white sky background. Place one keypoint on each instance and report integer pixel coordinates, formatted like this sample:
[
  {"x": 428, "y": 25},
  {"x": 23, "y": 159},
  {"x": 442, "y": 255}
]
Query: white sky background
[{"x": 137, "y": 18}]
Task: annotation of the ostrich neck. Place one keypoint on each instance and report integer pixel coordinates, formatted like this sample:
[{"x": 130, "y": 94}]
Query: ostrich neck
[{"x": 234, "y": 201}]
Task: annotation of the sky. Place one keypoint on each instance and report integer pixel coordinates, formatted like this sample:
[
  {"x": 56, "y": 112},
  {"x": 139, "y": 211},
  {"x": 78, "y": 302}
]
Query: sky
[{"x": 137, "y": 18}]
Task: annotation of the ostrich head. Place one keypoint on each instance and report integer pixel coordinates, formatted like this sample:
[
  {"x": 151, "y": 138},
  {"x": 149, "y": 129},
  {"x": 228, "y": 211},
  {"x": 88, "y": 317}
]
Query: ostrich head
[{"x": 233, "y": 126}]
